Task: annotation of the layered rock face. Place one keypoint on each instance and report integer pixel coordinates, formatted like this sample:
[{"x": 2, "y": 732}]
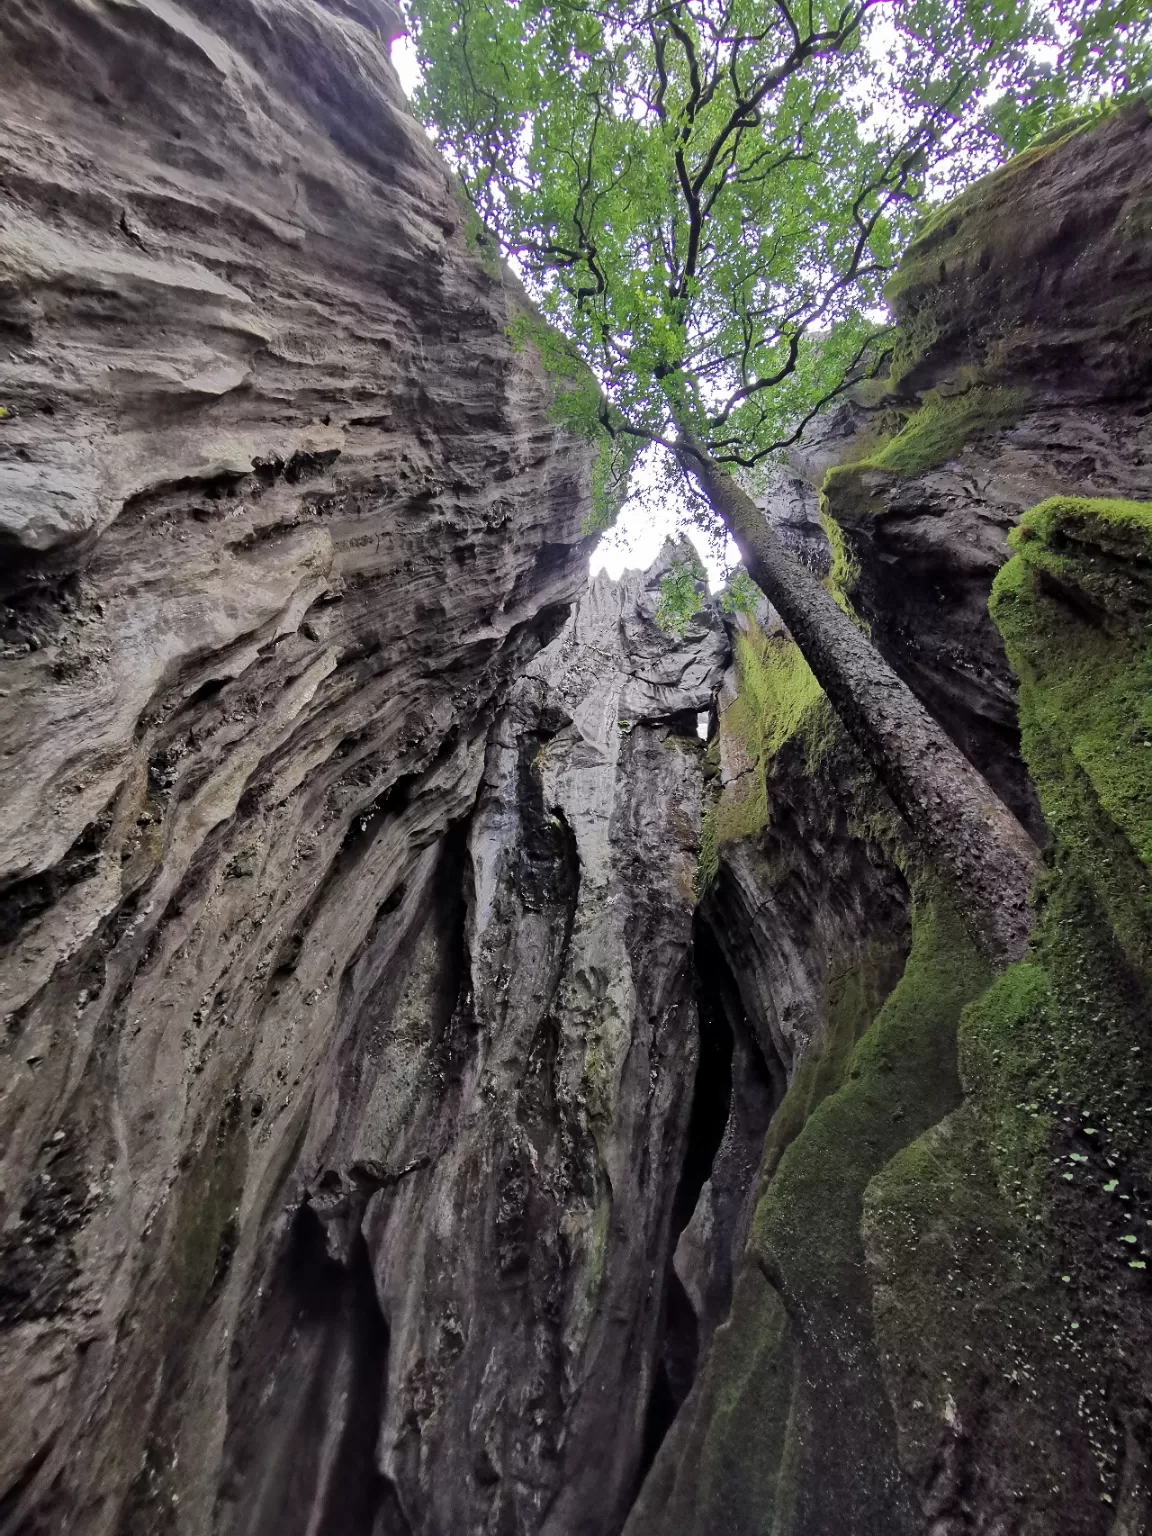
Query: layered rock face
[
  {"x": 500, "y": 1185},
  {"x": 283, "y": 516}
]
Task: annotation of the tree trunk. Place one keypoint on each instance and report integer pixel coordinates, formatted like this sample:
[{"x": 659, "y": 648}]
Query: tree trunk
[{"x": 962, "y": 826}]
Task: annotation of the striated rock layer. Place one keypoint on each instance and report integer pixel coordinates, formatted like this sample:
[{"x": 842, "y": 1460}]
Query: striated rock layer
[
  {"x": 493, "y": 1175},
  {"x": 283, "y": 514},
  {"x": 417, "y": 1118}
]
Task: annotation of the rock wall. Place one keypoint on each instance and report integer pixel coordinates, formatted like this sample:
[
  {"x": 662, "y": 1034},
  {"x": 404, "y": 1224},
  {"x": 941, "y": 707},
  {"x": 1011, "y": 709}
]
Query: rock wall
[
  {"x": 503, "y": 1182},
  {"x": 283, "y": 515},
  {"x": 939, "y": 1307}
]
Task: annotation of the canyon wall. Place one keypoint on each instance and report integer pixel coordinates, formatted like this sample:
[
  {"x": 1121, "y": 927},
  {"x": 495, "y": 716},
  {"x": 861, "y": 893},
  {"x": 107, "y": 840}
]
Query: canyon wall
[
  {"x": 496, "y": 1169},
  {"x": 283, "y": 514},
  {"x": 940, "y": 1316},
  {"x": 442, "y": 1092}
]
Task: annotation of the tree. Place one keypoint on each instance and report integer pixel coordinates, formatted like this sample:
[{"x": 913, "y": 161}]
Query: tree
[{"x": 705, "y": 196}]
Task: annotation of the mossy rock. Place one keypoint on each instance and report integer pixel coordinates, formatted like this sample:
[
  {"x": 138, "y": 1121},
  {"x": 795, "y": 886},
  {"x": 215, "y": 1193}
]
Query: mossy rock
[
  {"x": 789, "y": 1429},
  {"x": 1022, "y": 1221},
  {"x": 1075, "y": 609},
  {"x": 932, "y": 434},
  {"x": 777, "y": 699},
  {"x": 975, "y": 279},
  {"x": 986, "y": 217}
]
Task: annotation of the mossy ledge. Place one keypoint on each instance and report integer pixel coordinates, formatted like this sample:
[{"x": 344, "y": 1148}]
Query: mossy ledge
[
  {"x": 987, "y": 320},
  {"x": 919, "y": 440}
]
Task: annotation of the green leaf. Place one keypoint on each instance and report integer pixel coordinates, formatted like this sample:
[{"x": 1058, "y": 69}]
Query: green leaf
[{"x": 681, "y": 596}]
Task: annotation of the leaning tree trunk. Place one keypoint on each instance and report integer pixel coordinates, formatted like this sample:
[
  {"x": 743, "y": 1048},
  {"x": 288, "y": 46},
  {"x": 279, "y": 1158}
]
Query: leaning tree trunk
[{"x": 958, "y": 820}]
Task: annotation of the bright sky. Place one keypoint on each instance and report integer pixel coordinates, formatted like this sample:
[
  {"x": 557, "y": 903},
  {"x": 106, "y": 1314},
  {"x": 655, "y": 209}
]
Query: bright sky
[{"x": 406, "y": 64}]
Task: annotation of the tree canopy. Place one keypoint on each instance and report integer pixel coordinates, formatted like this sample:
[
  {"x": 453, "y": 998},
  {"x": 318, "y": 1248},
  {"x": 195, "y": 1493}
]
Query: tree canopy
[{"x": 707, "y": 195}]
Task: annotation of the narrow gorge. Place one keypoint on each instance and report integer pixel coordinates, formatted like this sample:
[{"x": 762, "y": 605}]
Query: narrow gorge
[{"x": 477, "y": 1059}]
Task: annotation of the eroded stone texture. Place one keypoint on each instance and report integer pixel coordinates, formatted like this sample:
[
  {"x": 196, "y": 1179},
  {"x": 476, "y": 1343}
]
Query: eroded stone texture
[
  {"x": 1037, "y": 282},
  {"x": 505, "y": 1179},
  {"x": 283, "y": 516}
]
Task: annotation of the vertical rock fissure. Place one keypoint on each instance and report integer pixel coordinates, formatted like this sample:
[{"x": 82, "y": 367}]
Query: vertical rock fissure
[{"x": 735, "y": 1094}]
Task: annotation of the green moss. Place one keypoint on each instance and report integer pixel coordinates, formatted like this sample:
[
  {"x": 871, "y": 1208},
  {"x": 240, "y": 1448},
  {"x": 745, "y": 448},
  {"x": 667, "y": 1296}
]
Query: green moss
[
  {"x": 918, "y": 1265},
  {"x": 938, "y": 430},
  {"x": 1076, "y": 123},
  {"x": 777, "y": 697},
  {"x": 964, "y": 297},
  {"x": 937, "y": 288},
  {"x": 1005, "y": 1043},
  {"x": 1074, "y": 607},
  {"x": 851, "y": 1002},
  {"x": 931, "y": 435},
  {"x": 956, "y": 229},
  {"x": 708, "y": 858},
  {"x": 710, "y": 1473},
  {"x": 963, "y": 239},
  {"x": 777, "y": 692},
  {"x": 791, "y": 1424},
  {"x": 943, "y": 1261},
  {"x": 577, "y": 406},
  {"x": 845, "y": 571},
  {"x": 912, "y": 340},
  {"x": 1008, "y": 1219},
  {"x": 900, "y": 1077}
]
